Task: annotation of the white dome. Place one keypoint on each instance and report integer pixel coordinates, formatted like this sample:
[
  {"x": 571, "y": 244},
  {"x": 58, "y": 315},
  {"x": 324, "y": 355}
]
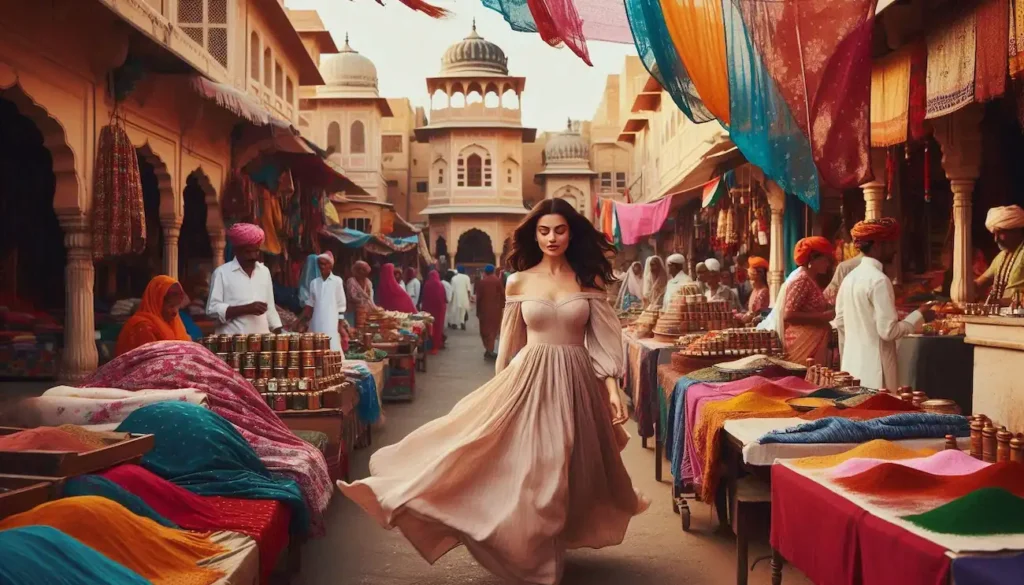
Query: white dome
[
  {"x": 474, "y": 55},
  {"x": 348, "y": 69},
  {"x": 567, "y": 146}
]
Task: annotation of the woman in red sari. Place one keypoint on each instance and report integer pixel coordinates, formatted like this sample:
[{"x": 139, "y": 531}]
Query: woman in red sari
[
  {"x": 434, "y": 301},
  {"x": 157, "y": 318},
  {"x": 391, "y": 295},
  {"x": 804, "y": 320},
  {"x": 757, "y": 274}
]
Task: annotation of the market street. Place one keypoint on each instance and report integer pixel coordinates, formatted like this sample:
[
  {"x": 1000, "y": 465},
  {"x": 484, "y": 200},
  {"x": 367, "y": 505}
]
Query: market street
[{"x": 356, "y": 551}]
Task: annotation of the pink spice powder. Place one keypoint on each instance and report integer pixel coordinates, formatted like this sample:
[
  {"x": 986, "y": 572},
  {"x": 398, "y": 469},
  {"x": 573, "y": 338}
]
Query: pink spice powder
[{"x": 946, "y": 462}]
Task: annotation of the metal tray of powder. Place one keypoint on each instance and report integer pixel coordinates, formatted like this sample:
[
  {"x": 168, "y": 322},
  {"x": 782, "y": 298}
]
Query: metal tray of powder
[{"x": 119, "y": 448}]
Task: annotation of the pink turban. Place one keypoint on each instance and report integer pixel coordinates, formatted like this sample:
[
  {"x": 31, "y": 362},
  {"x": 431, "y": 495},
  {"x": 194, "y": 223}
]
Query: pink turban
[
  {"x": 1008, "y": 217},
  {"x": 245, "y": 234},
  {"x": 328, "y": 255}
]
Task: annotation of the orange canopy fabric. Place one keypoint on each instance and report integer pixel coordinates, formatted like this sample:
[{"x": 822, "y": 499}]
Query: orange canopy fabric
[
  {"x": 698, "y": 34},
  {"x": 148, "y": 324}
]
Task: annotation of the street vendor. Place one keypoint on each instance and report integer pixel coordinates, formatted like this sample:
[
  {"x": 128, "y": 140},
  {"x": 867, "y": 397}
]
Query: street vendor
[
  {"x": 866, "y": 315},
  {"x": 359, "y": 290},
  {"x": 717, "y": 291},
  {"x": 325, "y": 310},
  {"x": 677, "y": 277},
  {"x": 1006, "y": 274},
  {"x": 241, "y": 291}
]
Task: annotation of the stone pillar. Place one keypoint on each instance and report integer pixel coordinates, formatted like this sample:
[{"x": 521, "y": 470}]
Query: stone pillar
[
  {"x": 172, "y": 232},
  {"x": 217, "y": 243},
  {"x": 776, "y": 241},
  {"x": 79, "y": 358},
  {"x": 874, "y": 191},
  {"x": 959, "y": 135}
]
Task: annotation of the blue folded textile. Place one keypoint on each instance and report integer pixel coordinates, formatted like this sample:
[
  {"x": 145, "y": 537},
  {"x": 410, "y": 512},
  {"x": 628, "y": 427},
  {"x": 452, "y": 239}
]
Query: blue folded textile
[
  {"x": 911, "y": 425},
  {"x": 676, "y": 429},
  {"x": 41, "y": 555},
  {"x": 368, "y": 409},
  {"x": 988, "y": 570}
]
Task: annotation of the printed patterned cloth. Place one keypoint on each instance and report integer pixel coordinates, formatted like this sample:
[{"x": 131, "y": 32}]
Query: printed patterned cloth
[
  {"x": 96, "y": 409},
  {"x": 951, "y": 63},
  {"x": 890, "y": 98},
  {"x": 176, "y": 364}
]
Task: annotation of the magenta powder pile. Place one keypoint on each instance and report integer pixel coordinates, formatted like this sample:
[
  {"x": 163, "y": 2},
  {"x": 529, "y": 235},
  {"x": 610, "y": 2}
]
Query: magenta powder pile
[{"x": 946, "y": 462}]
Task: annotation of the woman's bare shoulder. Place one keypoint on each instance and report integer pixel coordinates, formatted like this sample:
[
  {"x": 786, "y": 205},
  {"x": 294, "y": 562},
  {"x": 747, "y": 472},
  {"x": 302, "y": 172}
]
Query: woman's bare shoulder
[{"x": 515, "y": 283}]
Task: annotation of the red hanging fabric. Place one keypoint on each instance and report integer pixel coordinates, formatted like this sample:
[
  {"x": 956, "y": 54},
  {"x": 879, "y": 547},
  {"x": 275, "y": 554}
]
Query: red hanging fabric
[
  {"x": 819, "y": 54},
  {"x": 118, "y": 212},
  {"x": 918, "y": 90},
  {"x": 558, "y": 22},
  {"x": 424, "y": 7},
  {"x": 991, "y": 63}
]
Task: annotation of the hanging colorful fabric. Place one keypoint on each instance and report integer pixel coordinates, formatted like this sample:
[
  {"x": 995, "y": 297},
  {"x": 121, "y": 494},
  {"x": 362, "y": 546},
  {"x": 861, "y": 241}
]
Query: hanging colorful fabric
[
  {"x": 918, "y": 90},
  {"x": 992, "y": 33},
  {"x": 711, "y": 192},
  {"x": 1016, "y": 39},
  {"x": 558, "y": 23},
  {"x": 890, "y": 98},
  {"x": 819, "y": 54},
  {"x": 890, "y": 171},
  {"x": 762, "y": 125},
  {"x": 951, "y": 57},
  {"x": 118, "y": 212},
  {"x": 659, "y": 56},
  {"x": 696, "y": 30}
]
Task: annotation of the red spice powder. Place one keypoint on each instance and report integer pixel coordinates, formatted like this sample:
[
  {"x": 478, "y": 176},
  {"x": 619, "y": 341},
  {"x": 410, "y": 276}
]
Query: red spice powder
[
  {"x": 894, "y": 479},
  {"x": 43, "y": 439},
  {"x": 886, "y": 402}
]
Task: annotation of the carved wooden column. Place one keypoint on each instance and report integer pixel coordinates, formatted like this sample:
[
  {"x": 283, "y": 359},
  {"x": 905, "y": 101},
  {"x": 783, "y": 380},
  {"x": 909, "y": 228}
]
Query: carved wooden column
[
  {"x": 776, "y": 240},
  {"x": 79, "y": 358},
  {"x": 172, "y": 233},
  {"x": 959, "y": 135},
  {"x": 217, "y": 243}
]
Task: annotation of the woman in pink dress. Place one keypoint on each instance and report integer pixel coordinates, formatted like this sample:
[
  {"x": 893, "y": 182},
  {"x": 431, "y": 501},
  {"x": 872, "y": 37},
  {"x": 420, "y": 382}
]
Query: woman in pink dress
[
  {"x": 804, "y": 323},
  {"x": 528, "y": 465}
]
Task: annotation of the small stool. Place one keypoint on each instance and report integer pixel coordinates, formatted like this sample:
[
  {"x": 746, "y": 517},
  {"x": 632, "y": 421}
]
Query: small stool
[{"x": 753, "y": 497}]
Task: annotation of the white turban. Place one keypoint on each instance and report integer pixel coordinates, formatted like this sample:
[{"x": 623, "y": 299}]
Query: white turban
[
  {"x": 328, "y": 255},
  {"x": 677, "y": 259},
  {"x": 1008, "y": 217},
  {"x": 713, "y": 265}
]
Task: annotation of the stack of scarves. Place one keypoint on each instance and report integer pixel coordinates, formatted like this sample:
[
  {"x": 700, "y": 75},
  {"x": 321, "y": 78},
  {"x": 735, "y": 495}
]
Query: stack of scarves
[
  {"x": 162, "y": 555},
  {"x": 264, "y": 520},
  {"x": 201, "y": 452},
  {"x": 99, "y": 409},
  {"x": 94, "y": 485},
  {"x": 31, "y": 553},
  {"x": 174, "y": 365},
  {"x": 368, "y": 408}
]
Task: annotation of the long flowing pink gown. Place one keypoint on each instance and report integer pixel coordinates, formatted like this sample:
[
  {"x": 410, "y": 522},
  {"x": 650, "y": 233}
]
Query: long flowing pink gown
[{"x": 526, "y": 466}]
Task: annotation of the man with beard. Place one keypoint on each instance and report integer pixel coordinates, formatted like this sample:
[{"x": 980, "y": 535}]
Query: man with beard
[
  {"x": 866, "y": 315},
  {"x": 241, "y": 291},
  {"x": 1006, "y": 274}
]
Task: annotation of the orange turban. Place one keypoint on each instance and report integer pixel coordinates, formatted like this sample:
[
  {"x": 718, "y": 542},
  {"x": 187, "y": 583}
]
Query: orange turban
[
  {"x": 757, "y": 262},
  {"x": 885, "y": 229},
  {"x": 803, "y": 249}
]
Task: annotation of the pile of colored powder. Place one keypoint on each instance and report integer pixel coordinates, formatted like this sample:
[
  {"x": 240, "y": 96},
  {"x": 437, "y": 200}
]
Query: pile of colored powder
[
  {"x": 43, "y": 439},
  {"x": 886, "y": 402},
  {"x": 945, "y": 462},
  {"x": 982, "y": 512},
  {"x": 94, "y": 440},
  {"x": 896, "y": 479},
  {"x": 810, "y": 402},
  {"x": 829, "y": 393},
  {"x": 877, "y": 449}
]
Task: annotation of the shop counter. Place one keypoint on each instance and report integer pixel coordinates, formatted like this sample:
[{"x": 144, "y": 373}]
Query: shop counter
[
  {"x": 998, "y": 362},
  {"x": 939, "y": 366}
]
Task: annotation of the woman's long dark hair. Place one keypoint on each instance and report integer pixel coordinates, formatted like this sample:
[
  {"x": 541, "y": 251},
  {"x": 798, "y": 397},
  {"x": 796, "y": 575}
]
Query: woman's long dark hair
[{"x": 588, "y": 251}]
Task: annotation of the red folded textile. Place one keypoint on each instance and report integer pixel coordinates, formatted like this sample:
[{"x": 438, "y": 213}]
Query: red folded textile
[{"x": 266, "y": 521}]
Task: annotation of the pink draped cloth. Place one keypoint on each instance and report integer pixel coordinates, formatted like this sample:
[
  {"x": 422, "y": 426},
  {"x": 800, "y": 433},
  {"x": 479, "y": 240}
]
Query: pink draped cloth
[
  {"x": 605, "y": 20},
  {"x": 559, "y": 23},
  {"x": 434, "y": 301},
  {"x": 637, "y": 220},
  {"x": 700, "y": 394},
  {"x": 390, "y": 295},
  {"x": 171, "y": 365}
]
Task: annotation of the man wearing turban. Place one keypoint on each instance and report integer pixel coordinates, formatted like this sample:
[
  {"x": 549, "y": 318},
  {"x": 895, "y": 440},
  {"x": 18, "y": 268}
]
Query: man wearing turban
[
  {"x": 462, "y": 296},
  {"x": 866, "y": 308},
  {"x": 325, "y": 310},
  {"x": 1006, "y": 274},
  {"x": 241, "y": 291},
  {"x": 677, "y": 277},
  {"x": 716, "y": 291}
]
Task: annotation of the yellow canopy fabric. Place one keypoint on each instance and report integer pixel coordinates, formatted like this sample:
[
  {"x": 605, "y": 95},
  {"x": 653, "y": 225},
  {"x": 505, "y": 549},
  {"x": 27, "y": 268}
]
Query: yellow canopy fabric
[{"x": 698, "y": 34}]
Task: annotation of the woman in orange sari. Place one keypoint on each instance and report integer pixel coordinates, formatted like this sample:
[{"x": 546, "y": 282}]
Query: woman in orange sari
[
  {"x": 157, "y": 318},
  {"x": 804, "y": 316}
]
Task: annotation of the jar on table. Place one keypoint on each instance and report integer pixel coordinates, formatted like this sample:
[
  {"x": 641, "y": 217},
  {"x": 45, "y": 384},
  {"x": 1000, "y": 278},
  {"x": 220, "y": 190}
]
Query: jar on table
[
  {"x": 281, "y": 342},
  {"x": 314, "y": 401},
  {"x": 280, "y": 402},
  {"x": 298, "y": 401},
  {"x": 293, "y": 373}
]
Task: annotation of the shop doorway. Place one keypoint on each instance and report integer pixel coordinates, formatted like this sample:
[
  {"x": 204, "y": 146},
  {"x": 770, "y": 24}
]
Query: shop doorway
[{"x": 474, "y": 249}]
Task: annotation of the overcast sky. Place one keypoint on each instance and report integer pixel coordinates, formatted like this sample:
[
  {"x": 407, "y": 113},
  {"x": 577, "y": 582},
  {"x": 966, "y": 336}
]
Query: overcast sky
[{"x": 406, "y": 47}]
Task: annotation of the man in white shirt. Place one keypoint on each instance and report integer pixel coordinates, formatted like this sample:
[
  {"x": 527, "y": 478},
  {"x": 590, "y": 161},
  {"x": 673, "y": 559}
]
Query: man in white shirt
[
  {"x": 241, "y": 291},
  {"x": 866, "y": 308},
  {"x": 325, "y": 310},
  {"x": 716, "y": 291},
  {"x": 676, "y": 264},
  {"x": 462, "y": 294},
  {"x": 843, "y": 270}
]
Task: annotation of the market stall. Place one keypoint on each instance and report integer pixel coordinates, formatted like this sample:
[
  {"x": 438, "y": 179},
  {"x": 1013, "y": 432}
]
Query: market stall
[{"x": 998, "y": 357}]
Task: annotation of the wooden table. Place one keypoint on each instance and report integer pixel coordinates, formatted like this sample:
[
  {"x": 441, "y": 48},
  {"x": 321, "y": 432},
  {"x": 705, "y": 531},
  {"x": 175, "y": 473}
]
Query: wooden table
[
  {"x": 642, "y": 359},
  {"x": 339, "y": 424}
]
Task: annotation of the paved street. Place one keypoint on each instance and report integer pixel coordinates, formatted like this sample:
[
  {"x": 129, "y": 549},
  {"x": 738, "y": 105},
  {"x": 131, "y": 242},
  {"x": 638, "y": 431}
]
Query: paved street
[{"x": 356, "y": 551}]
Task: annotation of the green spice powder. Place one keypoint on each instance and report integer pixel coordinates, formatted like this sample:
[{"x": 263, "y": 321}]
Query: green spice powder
[{"x": 981, "y": 512}]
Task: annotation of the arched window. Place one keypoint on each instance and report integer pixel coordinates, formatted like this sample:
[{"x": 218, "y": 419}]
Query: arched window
[
  {"x": 206, "y": 23},
  {"x": 357, "y": 138},
  {"x": 254, "y": 56},
  {"x": 289, "y": 91},
  {"x": 334, "y": 137},
  {"x": 278, "y": 80},
  {"x": 268, "y": 68},
  {"x": 474, "y": 170}
]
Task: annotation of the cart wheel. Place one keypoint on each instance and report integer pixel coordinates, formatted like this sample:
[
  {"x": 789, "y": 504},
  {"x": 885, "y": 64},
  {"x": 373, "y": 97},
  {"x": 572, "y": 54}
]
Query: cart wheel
[
  {"x": 684, "y": 515},
  {"x": 675, "y": 506}
]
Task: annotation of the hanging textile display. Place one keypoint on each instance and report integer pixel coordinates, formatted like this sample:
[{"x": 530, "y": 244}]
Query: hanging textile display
[
  {"x": 1016, "y": 38},
  {"x": 712, "y": 191},
  {"x": 558, "y": 23},
  {"x": 696, "y": 30},
  {"x": 762, "y": 125},
  {"x": 424, "y": 7},
  {"x": 819, "y": 54},
  {"x": 918, "y": 96},
  {"x": 608, "y": 222},
  {"x": 951, "y": 56},
  {"x": 661, "y": 60},
  {"x": 118, "y": 213},
  {"x": 604, "y": 20},
  {"x": 515, "y": 12},
  {"x": 992, "y": 33},
  {"x": 890, "y": 98},
  {"x": 636, "y": 220}
]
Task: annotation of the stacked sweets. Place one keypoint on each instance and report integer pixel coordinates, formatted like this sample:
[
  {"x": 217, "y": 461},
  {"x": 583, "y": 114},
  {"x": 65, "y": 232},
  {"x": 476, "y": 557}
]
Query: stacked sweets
[
  {"x": 292, "y": 371},
  {"x": 737, "y": 342},
  {"x": 689, "y": 312}
]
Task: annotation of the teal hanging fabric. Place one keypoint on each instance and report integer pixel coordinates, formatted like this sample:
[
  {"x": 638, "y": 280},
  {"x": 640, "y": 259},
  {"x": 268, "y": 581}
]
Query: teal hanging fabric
[
  {"x": 661, "y": 60},
  {"x": 792, "y": 228},
  {"x": 516, "y": 14},
  {"x": 761, "y": 124}
]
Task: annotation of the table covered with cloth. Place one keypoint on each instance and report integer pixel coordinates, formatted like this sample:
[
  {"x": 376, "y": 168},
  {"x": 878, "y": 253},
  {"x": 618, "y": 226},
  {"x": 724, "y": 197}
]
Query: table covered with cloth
[
  {"x": 939, "y": 366},
  {"x": 840, "y": 537},
  {"x": 642, "y": 359}
]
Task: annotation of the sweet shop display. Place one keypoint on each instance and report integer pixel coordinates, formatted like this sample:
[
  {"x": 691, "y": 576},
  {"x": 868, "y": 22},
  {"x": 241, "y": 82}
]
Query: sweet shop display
[
  {"x": 826, "y": 377},
  {"x": 292, "y": 371},
  {"x": 644, "y": 325},
  {"x": 739, "y": 342},
  {"x": 689, "y": 312}
]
